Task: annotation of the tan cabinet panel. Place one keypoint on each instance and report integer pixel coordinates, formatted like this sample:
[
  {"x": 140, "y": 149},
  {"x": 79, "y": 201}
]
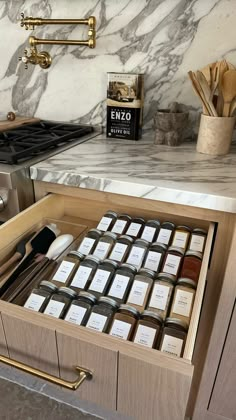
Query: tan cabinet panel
[
  {"x": 101, "y": 389},
  {"x": 3, "y": 344}
]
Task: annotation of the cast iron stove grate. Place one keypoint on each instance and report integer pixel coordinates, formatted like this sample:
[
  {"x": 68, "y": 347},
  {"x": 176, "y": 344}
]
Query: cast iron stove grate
[{"x": 29, "y": 140}]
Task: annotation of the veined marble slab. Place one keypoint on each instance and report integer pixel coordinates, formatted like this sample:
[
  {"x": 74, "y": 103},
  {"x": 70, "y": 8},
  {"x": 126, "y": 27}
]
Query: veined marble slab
[{"x": 143, "y": 169}]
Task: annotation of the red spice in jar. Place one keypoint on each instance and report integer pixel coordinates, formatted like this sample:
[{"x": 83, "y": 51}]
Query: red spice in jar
[{"x": 192, "y": 263}]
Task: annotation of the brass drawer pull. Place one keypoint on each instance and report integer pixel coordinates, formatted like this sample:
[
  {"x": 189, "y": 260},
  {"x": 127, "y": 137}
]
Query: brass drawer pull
[{"x": 83, "y": 374}]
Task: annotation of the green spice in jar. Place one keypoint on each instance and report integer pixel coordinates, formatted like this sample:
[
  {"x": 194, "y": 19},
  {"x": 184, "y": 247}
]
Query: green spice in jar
[
  {"x": 105, "y": 245},
  {"x": 102, "y": 277},
  {"x": 39, "y": 297},
  {"x": 83, "y": 276},
  {"x": 59, "y": 302},
  {"x": 121, "y": 248},
  {"x": 122, "y": 282},
  {"x": 121, "y": 224},
  {"x": 107, "y": 221},
  {"x": 66, "y": 269}
]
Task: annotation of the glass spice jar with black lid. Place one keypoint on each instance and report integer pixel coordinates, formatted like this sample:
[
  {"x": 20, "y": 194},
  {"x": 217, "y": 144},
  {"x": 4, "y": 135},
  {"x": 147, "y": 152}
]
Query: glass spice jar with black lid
[
  {"x": 102, "y": 277},
  {"x": 135, "y": 227},
  {"x": 59, "y": 302},
  {"x": 124, "y": 322},
  {"x": 154, "y": 257},
  {"x": 148, "y": 329},
  {"x": 79, "y": 309},
  {"x": 172, "y": 261},
  {"x": 151, "y": 230},
  {"x": 105, "y": 245},
  {"x": 121, "y": 248},
  {"x": 121, "y": 283},
  {"x": 102, "y": 314},
  {"x": 181, "y": 237},
  {"x": 83, "y": 276},
  {"x": 66, "y": 269},
  {"x": 198, "y": 240},
  {"x": 139, "y": 292},
  {"x": 90, "y": 241},
  {"x": 107, "y": 221},
  {"x": 160, "y": 298},
  {"x": 137, "y": 253},
  {"x": 191, "y": 267},
  {"x": 173, "y": 337},
  {"x": 39, "y": 297},
  {"x": 166, "y": 233},
  {"x": 183, "y": 299},
  {"x": 121, "y": 224}
]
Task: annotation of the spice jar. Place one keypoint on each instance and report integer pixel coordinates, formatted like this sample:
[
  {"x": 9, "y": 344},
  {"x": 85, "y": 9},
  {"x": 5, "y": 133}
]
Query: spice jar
[
  {"x": 107, "y": 221},
  {"x": 154, "y": 257},
  {"x": 90, "y": 241},
  {"x": 102, "y": 314},
  {"x": 59, "y": 302},
  {"x": 191, "y": 267},
  {"x": 102, "y": 278},
  {"x": 83, "y": 276},
  {"x": 124, "y": 322},
  {"x": 151, "y": 230},
  {"x": 166, "y": 233},
  {"x": 79, "y": 309},
  {"x": 173, "y": 337},
  {"x": 172, "y": 261},
  {"x": 197, "y": 240},
  {"x": 105, "y": 245},
  {"x": 39, "y": 297},
  {"x": 140, "y": 289},
  {"x": 121, "y": 248},
  {"x": 148, "y": 329},
  {"x": 137, "y": 252},
  {"x": 121, "y": 224},
  {"x": 183, "y": 299},
  {"x": 181, "y": 237},
  {"x": 161, "y": 295},
  {"x": 135, "y": 228},
  {"x": 66, "y": 269},
  {"x": 121, "y": 283}
]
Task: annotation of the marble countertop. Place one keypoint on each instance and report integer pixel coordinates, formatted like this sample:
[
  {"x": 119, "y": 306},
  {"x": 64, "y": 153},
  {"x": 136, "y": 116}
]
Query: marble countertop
[{"x": 143, "y": 169}]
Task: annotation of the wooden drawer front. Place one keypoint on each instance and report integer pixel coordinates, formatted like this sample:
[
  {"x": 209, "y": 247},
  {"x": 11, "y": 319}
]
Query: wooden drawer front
[
  {"x": 3, "y": 344},
  {"x": 151, "y": 391},
  {"x": 31, "y": 344},
  {"x": 100, "y": 361}
]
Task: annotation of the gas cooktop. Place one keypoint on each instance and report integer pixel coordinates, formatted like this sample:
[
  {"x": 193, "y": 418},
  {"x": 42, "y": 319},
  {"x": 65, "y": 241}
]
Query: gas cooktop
[{"x": 31, "y": 140}]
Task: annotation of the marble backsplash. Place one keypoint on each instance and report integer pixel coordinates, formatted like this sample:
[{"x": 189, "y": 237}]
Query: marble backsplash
[{"x": 161, "y": 38}]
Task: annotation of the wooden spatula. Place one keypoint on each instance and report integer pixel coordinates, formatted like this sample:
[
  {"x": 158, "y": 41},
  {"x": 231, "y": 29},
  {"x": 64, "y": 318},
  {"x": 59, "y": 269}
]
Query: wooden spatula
[
  {"x": 228, "y": 90},
  {"x": 233, "y": 108},
  {"x": 199, "y": 93},
  {"x": 207, "y": 92}
]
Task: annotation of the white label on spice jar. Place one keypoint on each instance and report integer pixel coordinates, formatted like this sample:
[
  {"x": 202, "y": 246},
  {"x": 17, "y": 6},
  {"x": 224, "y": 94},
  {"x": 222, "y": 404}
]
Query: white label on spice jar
[
  {"x": 119, "y": 226},
  {"x": 145, "y": 336},
  {"x": 63, "y": 271},
  {"x": 99, "y": 281},
  {"x": 197, "y": 243},
  {"x": 86, "y": 246},
  {"x": 164, "y": 236},
  {"x": 182, "y": 303},
  {"x": 118, "y": 252},
  {"x": 54, "y": 308},
  {"x": 81, "y": 276},
  {"x": 133, "y": 229},
  {"x": 34, "y": 302},
  {"x": 171, "y": 264},
  {"x": 104, "y": 223},
  {"x": 101, "y": 250},
  {"x": 119, "y": 286},
  {"x": 96, "y": 322},
  {"x": 148, "y": 233},
  {"x": 75, "y": 314},
  {"x": 120, "y": 329},
  {"x": 180, "y": 239},
  {"x": 172, "y": 345},
  {"x": 153, "y": 260},
  {"x": 138, "y": 293},
  {"x": 136, "y": 256},
  {"x": 159, "y": 297}
]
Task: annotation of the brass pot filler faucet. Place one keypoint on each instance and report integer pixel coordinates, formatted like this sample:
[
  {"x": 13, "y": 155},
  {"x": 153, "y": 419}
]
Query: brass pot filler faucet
[{"x": 43, "y": 58}]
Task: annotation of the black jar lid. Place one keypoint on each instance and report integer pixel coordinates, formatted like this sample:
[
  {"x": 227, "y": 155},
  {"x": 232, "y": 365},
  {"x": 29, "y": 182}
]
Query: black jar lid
[
  {"x": 178, "y": 323},
  {"x": 146, "y": 272},
  {"x": 47, "y": 284},
  {"x": 187, "y": 282},
  {"x": 128, "y": 238},
  {"x": 114, "y": 264},
  {"x": 163, "y": 247},
  {"x": 154, "y": 222},
  {"x": 168, "y": 225},
  {"x": 194, "y": 254},
  {"x": 176, "y": 249},
  {"x": 129, "y": 267},
  {"x": 183, "y": 227},
  {"x": 141, "y": 242},
  {"x": 167, "y": 277},
  {"x": 92, "y": 258},
  {"x": 199, "y": 230},
  {"x": 76, "y": 254},
  {"x": 88, "y": 296},
  {"x": 125, "y": 215},
  {"x": 111, "y": 235},
  {"x": 152, "y": 315},
  {"x": 111, "y": 212},
  {"x": 94, "y": 230},
  {"x": 129, "y": 308},
  {"x": 138, "y": 220},
  {"x": 109, "y": 301},
  {"x": 68, "y": 292}
]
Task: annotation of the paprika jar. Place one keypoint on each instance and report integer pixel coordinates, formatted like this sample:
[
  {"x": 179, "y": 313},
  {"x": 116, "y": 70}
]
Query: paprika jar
[{"x": 191, "y": 267}]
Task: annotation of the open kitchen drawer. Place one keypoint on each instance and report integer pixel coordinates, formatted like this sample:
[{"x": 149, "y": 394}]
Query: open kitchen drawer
[{"x": 138, "y": 382}]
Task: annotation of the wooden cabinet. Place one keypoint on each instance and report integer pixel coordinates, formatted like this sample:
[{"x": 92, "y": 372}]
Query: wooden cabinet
[{"x": 138, "y": 382}]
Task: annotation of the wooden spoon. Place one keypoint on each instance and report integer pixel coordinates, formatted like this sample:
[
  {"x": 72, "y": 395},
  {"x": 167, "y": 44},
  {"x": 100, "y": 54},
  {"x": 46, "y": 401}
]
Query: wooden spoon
[
  {"x": 207, "y": 93},
  {"x": 233, "y": 108},
  {"x": 199, "y": 93},
  {"x": 220, "y": 101},
  {"x": 228, "y": 90}
]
